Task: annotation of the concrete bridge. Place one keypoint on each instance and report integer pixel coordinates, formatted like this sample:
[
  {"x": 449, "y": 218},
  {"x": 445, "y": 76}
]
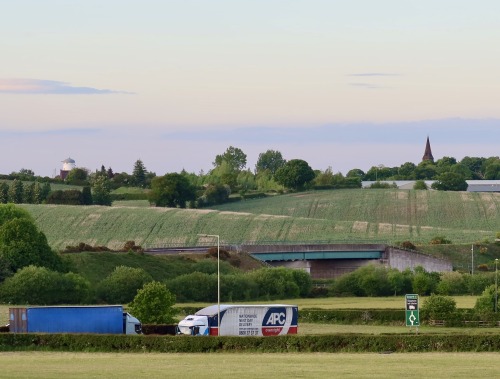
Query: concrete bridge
[{"x": 326, "y": 261}]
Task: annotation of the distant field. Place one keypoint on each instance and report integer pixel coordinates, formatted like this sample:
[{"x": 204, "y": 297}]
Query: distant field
[
  {"x": 131, "y": 203},
  {"x": 123, "y": 190},
  {"x": 44, "y": 365},
  {"x": 384, "y": 216}
]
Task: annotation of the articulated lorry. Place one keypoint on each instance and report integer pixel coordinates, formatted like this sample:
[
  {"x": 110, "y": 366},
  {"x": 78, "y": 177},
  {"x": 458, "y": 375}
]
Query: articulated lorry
[
  {"x": 108, "y": 319},
  {"x": 242, "y": 320}
]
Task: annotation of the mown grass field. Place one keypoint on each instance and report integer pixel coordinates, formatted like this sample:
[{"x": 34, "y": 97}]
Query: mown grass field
[
  {"x": 385, "y": 216},
  {"x": 41, "y": 365}
]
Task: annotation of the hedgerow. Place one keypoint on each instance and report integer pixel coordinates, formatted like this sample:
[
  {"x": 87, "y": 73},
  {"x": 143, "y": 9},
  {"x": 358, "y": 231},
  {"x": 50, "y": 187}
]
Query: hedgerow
[{"x": 282, "y": 344}]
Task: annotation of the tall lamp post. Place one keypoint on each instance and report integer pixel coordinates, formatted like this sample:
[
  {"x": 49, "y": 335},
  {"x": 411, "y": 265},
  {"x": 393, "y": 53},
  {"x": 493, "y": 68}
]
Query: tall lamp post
[
  {"x": 496, "y": 285},
  {"x": 218, "y": 277}
]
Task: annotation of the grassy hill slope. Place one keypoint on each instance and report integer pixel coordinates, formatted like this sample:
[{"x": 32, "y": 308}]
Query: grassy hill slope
[{"x": 326, "y": 216}]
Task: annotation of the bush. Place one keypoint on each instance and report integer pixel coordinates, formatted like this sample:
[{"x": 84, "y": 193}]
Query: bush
[
  {"x": 408, "y": 245},
  {"x": 451, "y": 283},
  {"x": 195, "y": 286},
  {"x": 437, "y": 307},
  {"x": 41, "y": 286},
  {"x": 122, "y": 284},
  {"x": 440, "y": 240},
  {"x": 153, "y": 304},
  {"x": 485, "y": 304},
  {"x": 275, "y": 283}
]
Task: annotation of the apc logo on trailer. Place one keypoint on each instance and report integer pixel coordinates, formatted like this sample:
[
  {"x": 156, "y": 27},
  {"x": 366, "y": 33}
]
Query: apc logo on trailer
[{"x": 274, "y": 321}]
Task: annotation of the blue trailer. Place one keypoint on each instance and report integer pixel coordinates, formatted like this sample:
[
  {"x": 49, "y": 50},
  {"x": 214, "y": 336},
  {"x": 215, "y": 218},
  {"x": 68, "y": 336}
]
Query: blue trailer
[{"x": 109, "y": 319}]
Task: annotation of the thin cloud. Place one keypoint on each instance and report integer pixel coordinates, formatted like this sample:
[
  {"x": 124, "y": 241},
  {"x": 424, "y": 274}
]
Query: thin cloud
[
  {"x": 77, "y": 132},
  {"x": 367, "y": 85},
  {"x": 373, "y": 74},
  {"x": 52, "y": 87}
]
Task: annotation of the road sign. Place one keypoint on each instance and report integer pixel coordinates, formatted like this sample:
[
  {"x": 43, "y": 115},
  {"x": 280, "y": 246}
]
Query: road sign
[{"x": 412, "y": 313}]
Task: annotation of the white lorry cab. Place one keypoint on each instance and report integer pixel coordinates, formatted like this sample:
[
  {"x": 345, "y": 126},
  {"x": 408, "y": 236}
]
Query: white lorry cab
[{"x": 242, "y": 320}]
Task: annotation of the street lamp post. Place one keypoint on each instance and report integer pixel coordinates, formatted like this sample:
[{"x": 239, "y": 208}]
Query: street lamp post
[
  {"x": 496, "y": 285},
  {"x": 218, "y": 277},
  {"x": 472, "y": 261}
]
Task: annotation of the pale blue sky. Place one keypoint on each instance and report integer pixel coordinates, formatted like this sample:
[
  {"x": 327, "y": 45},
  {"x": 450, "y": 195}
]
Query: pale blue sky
[{"x": 338, "y": 83}]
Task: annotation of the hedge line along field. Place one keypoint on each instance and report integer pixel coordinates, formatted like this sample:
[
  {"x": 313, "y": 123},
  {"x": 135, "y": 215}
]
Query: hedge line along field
[
  {"x": 45, "y": 365},
  {"x": 356, "y": 216}
]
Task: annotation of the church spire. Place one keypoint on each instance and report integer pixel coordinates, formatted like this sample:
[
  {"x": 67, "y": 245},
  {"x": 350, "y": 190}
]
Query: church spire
[{"x": 428, "y": 153}]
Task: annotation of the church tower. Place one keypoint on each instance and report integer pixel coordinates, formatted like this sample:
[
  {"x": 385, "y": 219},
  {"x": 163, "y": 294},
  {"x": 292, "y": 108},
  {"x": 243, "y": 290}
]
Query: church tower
[{"x": 428, "y": 153}]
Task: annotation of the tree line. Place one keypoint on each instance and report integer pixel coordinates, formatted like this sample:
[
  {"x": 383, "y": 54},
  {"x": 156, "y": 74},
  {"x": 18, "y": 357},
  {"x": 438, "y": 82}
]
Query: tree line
[{"x": 272, "y": 173}]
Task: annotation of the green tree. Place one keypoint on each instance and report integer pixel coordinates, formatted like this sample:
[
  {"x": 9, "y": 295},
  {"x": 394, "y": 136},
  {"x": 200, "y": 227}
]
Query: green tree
[
  {"x": 246, "y": 181},
  {"x": 28, "y": 193},
  {"x": 139, "y": 174},
  {"x": 77, "y": 176},
  {"x": 356, "y": 173},
  {"x": 101, "y": 191},
  {"x": 87, "y": 196},
  {"x": 45, "y": 191},
  {"x": 122, "y": 284},
  {"x": 215, "y": 194},
  {"x": 373, "y": 281},
  {"x": 449, "y": 181},
  {"x": 476, "y": 284},
  {"x": 475, "y": 166},
  {"x": 171, "y": 190},
  {"x": 37, "y": 193},
  {"x": 399, "y": 282},
  {"x": 10, "y": 211},
  {"x": 22, "y": 244},
  {"x": 153, "y": 304},
  {"x": 423, "y": 283},
  {"x": 325, "y": 178},
  {"x": 492, "y": 171},
  {"x": 271, "y": 161},
  {"x": 224, "y": 173},
  {"x": 425, "y": 170},
  {"x": 445, "y": 164},
  {"x": 16, "y": 191},
  {"x": 295, "y": 174},
  {"x": 4, "y": 193},
  {"x": 234, "y": 156},
  {"x": 407, "y": 171}
]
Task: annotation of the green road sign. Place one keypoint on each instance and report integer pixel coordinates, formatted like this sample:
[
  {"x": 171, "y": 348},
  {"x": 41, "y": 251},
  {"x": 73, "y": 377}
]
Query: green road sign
[{"x": 411, "y": 314}]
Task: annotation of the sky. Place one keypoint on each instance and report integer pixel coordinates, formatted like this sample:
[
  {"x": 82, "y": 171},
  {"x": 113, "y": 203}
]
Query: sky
[{"x": 340, "y": 84}]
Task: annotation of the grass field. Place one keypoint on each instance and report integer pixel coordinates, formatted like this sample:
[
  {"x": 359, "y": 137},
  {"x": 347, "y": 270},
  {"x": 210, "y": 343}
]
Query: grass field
[
  {"x": 329, "y": 216},
  {"x": 44, "y": 365},
  {"x": 392, "y": 302}
]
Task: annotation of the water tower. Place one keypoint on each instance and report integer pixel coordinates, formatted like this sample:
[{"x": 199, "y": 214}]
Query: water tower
[{"x": 68, "y": 165}]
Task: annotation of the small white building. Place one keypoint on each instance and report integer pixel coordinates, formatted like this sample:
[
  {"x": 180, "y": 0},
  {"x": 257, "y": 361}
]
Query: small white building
[{"x": 68, "y": 165}]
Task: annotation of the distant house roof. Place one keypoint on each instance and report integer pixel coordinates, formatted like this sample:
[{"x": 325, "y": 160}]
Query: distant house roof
[{"x": 68, "y": 160}]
